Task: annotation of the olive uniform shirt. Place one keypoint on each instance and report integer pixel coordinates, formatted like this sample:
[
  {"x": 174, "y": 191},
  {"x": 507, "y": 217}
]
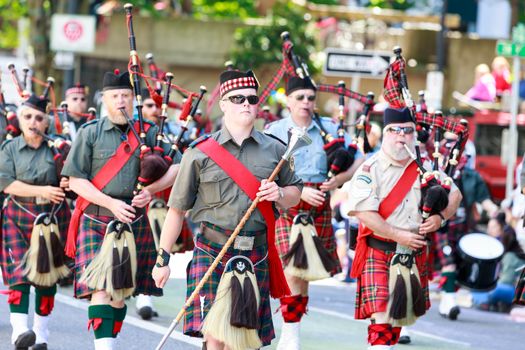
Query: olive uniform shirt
[
  {"x": 96, "y": 142},
  {"x": 202, "y": 186},
  {"x": 19, "y": 161}
]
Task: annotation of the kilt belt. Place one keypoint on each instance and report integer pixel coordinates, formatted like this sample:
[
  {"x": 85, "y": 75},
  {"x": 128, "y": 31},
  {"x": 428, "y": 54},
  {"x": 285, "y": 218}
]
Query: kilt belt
[
  {"x": 381, "y": 244},
  {"x": 97, "y": 210},
  {"x": 240, "y": 243}
]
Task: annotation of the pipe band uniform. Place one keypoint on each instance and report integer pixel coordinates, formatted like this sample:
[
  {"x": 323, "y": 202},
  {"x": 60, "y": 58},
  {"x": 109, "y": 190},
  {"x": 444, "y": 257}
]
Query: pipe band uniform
[
  {"x": 34, "y": 224},
  {"x": 219, "y": 178},
  {"x": 109, "y": 235}
]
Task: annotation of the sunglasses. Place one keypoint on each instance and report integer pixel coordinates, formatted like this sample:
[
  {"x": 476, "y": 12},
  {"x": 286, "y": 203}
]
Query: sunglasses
[
  {"x": 149, "y": 105},
  {"x": 407, "y": 130},
  {"x": 239, "y": 99},
  {"x": 38, "y": 117},
  {"x": 310, "y": 98}
]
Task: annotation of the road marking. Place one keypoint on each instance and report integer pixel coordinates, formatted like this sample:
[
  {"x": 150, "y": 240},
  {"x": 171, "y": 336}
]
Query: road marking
[
  {"x": 351, "y": 318},
  {"x": 134, "y": 321}
]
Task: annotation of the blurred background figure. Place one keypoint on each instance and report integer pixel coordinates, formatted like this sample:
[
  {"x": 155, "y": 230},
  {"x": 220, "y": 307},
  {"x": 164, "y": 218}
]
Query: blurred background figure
[
  {"x": 484, "y": 88},
  {"x": 502, "y": 76}
]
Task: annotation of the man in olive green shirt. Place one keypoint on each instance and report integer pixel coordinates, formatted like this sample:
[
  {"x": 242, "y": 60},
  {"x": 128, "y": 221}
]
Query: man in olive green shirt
[
  {"x": 95, "y": 145},
  {"x": 218, "y": 204}
]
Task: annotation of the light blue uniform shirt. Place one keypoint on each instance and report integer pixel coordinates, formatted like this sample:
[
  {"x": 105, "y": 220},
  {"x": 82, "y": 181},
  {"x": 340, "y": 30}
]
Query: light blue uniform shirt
[{"x": 310, "y": 161}]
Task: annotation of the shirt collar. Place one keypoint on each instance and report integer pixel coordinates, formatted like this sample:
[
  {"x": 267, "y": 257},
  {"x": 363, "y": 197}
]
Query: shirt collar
[
  {"x": 22, "y": 143},
  {"x": 107, "y": 124},
  {"x": 386, "y": 161},
  {"x": 225, "y": 136}
]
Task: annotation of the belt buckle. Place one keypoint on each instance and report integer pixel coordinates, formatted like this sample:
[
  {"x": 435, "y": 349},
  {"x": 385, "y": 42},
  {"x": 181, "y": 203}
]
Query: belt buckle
[
  {"x": 41, "y": 200},
  {"x": 243, "y": 243}
]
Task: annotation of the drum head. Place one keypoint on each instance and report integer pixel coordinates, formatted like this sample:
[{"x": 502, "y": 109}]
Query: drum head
[{"x": 481, "y": 246}]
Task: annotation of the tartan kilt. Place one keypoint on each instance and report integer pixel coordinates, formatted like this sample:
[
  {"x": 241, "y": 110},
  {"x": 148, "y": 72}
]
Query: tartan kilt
[
  {"x": 17, "y": 225},
  {"x": 90, "y": 236},
  {"x": 203, "y": 255},
  {"x": 322, "y": 216},
  {"x": 372, "y": 290}
]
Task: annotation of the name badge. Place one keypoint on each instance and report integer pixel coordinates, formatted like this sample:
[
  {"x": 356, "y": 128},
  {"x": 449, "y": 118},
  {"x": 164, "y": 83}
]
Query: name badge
[{"x": 243, "y": 243}]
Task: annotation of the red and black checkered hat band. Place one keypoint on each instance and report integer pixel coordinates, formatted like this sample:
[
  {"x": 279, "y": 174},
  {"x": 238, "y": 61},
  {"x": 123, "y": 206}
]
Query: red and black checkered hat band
[
  {"x": 76, "y": 90},
  {"x": 238, "y": 83}
]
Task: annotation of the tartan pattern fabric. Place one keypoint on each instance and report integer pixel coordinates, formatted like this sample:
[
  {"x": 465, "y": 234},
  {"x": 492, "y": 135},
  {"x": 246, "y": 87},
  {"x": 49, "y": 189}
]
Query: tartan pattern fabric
[
  {"x": 322, "y": 216},
  {"x": 334, "y": 89},
  {"x": 285, "y": 68},
  {"x": 238, "y": 83},
  {"x": 203, "y": 255},
  {"x": 446, "y": 124},
  {"x": 392, "y": 85},
  {"x": 448, "y": 236},
  {"x": 17, "y": 225},
  {"x": 396, "y": 331},
  {"x": 381, "y": 334},
  {"x": 293, "y": 307},
  {"x": 372, "y": 290},
  {"x": 90, "y": 236}
]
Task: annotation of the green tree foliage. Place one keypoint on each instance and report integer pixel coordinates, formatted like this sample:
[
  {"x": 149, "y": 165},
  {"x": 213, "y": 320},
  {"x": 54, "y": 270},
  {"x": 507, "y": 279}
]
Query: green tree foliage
[
  {"x": 261, "y": 44},
  {"x": 392, "y": 4},
  {"x": 224, "y": 9},
  {"x": 10, "y": 13}
]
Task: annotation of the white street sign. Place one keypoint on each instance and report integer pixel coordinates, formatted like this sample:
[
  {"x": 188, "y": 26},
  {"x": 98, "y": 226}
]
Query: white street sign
[
  {"x": 72, "y": 33},
  {"x": 369, "y": 64}
]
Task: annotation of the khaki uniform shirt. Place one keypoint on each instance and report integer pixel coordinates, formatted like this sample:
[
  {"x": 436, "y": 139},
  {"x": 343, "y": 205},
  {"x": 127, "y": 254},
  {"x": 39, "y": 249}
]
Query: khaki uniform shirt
[
  {"x": 374, "y": 180},
  {"x": 202, "y": 186},
  {"x": 19, "y": 161},
  {"x": 96, "y": 142}
]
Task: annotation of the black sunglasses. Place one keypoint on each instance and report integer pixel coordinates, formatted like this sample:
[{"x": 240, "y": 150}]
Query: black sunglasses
[
  {"x": 407, "y": 130},
  {"x": 239, "y": 99},
  {"x": 308, "y": 97}
]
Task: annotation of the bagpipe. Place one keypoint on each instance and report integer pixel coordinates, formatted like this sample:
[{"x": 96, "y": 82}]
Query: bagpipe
[
  {"x": 404, "y": 279},
  {"x": 11, "y": 121},
  {"x": 114, "y": 267},
  {"x": 339, "y": 157}
]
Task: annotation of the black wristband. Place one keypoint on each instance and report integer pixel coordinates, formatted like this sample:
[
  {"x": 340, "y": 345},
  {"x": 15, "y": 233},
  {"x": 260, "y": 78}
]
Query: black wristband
[
  {"x": 163, "y": 258},
  {"x": 441, "y": 216}
]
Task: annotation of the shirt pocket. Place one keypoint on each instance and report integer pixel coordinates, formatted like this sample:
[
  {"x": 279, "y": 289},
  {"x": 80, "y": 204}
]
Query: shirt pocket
[
  {"x": 211, "y": 183},
  {"x": 264, "y": 171}
]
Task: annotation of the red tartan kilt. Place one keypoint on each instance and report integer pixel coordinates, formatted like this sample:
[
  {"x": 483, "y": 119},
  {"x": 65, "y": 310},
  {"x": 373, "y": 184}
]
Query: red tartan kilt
[
  {"x": 323, "y": 223},
  {"x": 372, "y": 286},
  {"x": 17, "y": 225}
]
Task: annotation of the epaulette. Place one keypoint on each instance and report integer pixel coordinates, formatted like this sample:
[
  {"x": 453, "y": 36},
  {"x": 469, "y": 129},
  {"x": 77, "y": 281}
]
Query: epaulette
[
  {"x": 5, "y": 143},
  {"x": 368, "y": 164},
  {"x": 199, "y": 140},
  {"x": 91, "y": 122},
  {"x": 265, "y": 132}
]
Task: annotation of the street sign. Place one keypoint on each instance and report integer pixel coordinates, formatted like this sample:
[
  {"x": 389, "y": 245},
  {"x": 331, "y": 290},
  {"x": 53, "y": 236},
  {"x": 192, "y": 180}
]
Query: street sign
[
  {"x": 72, "y": 33},
  {"x": 509, "y": 49},
  {"x": 368, "y": 64}
]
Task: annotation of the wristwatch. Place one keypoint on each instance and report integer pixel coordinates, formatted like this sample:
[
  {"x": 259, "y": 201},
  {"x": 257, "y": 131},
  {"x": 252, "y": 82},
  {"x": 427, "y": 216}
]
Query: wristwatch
[
  {"x": 443, "y": 220},
  {"x": 281, "y": 193}
]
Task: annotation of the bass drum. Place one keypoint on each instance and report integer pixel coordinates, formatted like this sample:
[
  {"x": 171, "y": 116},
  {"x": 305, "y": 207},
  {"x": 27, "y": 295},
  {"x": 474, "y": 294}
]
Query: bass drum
[{"x": 479, "y": 256}]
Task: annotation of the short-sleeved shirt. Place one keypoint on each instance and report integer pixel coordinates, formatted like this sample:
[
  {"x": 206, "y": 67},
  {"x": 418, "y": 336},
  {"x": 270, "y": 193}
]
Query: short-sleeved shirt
[
  {"x": 19, "y": 161},
  {"x": 310, "y": 161},
  {"x": 202, "y": 186},
  {"x": 374, "y": 180},
  {"x": 96, "y": 143}
]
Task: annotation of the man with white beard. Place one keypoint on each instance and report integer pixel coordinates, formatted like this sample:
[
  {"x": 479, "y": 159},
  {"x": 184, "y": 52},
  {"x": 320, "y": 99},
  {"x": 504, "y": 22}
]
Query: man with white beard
[{"x": 385, "y": 197}]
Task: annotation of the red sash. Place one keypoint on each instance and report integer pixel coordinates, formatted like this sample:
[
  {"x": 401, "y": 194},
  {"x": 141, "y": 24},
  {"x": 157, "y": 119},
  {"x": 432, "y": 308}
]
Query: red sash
[
  {"x": 386, "y": 208},
  {"x": 250, "y": 185},
  {"x": 101, "y": 179}
]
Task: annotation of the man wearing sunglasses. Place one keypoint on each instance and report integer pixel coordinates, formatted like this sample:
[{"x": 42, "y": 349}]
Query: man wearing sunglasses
[
  {"x": 218, "y": 203},
  {"x": 385, "y": 197},
  {"x": 311, "y": 165}
]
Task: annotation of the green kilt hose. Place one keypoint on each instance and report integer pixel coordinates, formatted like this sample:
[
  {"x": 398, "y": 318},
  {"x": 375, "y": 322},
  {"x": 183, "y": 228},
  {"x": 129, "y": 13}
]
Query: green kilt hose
[
  {"x": 17, "y": 224},
  {"x": 372, "y": 290},
  {"x": 203, "y": 255},
  {"x": 322, "y": 216},
  {"x": 90, "y": 236}
]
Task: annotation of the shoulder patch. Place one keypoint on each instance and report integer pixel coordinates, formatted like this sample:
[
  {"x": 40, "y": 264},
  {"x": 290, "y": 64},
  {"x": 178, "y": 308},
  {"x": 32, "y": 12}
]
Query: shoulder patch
[
  {"x": 274, "y": 137},
  {"x": 199, "y": 140},
  {"x": 91, "y": 122},
  {"x": 5, "y": 143},
  {"x": 364, "y": 178}
]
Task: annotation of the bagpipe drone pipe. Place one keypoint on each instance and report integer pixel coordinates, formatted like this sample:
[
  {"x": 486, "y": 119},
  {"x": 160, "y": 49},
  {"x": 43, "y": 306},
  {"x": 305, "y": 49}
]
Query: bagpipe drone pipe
[{"x": 407, "y": 300}]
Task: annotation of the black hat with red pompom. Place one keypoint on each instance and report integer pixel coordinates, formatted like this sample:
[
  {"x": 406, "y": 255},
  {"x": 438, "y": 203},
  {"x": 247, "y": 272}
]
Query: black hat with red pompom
[{"x": 116, "y": 80}]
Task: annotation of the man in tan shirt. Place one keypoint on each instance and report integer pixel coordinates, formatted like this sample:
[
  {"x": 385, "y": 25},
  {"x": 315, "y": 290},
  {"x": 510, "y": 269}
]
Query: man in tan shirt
[{"x": 404, "y": 227}]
